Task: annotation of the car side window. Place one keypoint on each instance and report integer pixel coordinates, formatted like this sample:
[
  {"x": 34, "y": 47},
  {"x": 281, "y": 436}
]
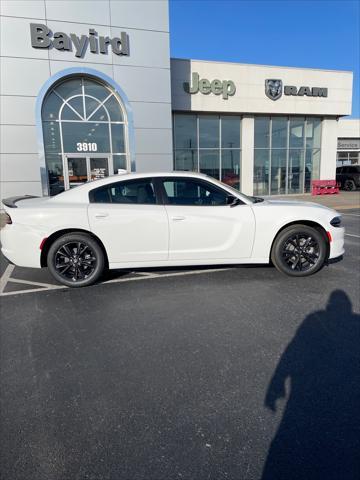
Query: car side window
[
  {"x": 126, "y": 192},
  {"x": 187, "y": 191}
]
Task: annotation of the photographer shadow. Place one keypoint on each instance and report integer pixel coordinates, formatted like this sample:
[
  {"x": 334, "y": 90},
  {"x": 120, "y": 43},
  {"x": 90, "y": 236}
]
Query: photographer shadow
[{"x": 319, "y": 434}]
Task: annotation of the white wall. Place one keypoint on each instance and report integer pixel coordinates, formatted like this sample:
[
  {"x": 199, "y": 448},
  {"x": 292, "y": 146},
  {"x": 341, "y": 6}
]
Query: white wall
[{"x": 349, "y": 128}]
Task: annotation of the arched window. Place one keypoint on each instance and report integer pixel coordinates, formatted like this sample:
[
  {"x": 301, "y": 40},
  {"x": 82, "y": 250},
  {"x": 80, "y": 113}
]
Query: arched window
[{"x": 85, "y": 132}]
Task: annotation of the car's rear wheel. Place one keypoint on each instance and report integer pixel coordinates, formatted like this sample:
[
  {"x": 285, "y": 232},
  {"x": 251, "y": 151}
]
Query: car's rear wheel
[
  {"x": 299, "y": 250},
  {"x": 76, "y": 260},
  {"x": 349, "y": 185}
]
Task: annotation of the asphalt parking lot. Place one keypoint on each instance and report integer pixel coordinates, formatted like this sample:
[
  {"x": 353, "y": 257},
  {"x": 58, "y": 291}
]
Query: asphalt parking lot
[{"x": 221, "y": 373}]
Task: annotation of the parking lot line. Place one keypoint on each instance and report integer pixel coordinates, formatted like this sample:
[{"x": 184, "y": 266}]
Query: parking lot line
[
  {"x": 350, "y": 215},
  {"x": 142, "y": 276},
  {"x": 5, "y": 277},
  {"x": 352, "y": 235}
]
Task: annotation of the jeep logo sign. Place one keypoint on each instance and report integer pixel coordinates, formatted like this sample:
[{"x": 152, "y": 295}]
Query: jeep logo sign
[
  {"x": 226, "y": 88},
  {"x": 273, "y": 90},
  {"x": 42, "y": 37}
]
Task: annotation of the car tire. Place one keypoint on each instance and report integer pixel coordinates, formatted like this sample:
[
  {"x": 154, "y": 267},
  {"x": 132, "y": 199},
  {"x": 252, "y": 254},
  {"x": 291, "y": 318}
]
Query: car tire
[
  {"x": 76, "y": 260},
  {"x": 299, "y": 251},
  {"x": 349, "y": 185}
]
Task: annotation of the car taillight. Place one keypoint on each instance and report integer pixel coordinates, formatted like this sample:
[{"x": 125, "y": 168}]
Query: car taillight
[{"x": 8, "y": 220}]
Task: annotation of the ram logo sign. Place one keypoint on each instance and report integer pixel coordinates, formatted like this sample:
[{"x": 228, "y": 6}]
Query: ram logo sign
[{"x": 274, "y": 90}]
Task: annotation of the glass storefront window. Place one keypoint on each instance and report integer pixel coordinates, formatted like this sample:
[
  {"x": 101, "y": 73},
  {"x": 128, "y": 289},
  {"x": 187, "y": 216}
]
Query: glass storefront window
[
  {"x": 209, "y": 131},
  {"x": 186, "y": 160},
  {"x": 296, "y": 171},
  {"x": 230, "y": 167},
  {"x": 261, "y": 171},
  {"x": 83, "y": 118},
  {"x": 262, "y": 132},
  {"x": 278, "y": 171},
  {"x": 185, "y": 131},
  {"x": 197, "y": 145},
  {"x": 297, "y": 128},
  {"x": 210, "y": 163},
  {"x": 313, "y": 131},
  {"x": 86, "y": 132},
  {"x": 230, "y": 132},
  {"x": 294, "y": 158},
  {"x": 279, "y": 134}
]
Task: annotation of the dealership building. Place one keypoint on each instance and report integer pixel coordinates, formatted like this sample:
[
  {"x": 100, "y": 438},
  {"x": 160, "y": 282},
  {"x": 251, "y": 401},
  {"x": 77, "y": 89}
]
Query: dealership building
[{"x": 88, "y": 89}]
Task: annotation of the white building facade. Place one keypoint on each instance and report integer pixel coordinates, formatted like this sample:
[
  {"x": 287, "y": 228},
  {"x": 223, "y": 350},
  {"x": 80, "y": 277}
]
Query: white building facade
[{"x": 88, "y": 89}]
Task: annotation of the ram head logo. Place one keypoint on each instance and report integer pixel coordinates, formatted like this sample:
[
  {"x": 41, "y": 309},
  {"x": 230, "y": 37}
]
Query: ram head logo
[{"x": 273, "y": 89}]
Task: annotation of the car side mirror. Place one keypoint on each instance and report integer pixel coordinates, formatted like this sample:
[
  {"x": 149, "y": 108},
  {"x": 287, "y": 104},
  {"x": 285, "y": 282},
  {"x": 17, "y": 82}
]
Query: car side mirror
[{"x": 232, "y": 201}]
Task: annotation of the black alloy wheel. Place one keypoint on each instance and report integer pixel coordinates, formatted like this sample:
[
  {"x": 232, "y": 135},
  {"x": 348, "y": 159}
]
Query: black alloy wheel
[
  {"x": 299, "y": 250},
  {"x": 76, "y": 260}
]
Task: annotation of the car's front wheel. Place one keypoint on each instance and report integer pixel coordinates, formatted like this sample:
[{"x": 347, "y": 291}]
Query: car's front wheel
[
  {"x": 76, "y": 260},
  {"x": 299, "y": 250}
]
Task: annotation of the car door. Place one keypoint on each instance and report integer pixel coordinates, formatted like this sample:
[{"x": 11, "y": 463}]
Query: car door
[
  {"x": 202, "y": 225},
  {"x": 130, "y": 221}
]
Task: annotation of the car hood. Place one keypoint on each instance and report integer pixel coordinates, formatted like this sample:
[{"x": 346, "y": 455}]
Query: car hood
[{"x": 293, "y": 203}]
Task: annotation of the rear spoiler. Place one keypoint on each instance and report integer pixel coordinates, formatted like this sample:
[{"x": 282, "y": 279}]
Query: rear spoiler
[{"x": 12, "y": 201}]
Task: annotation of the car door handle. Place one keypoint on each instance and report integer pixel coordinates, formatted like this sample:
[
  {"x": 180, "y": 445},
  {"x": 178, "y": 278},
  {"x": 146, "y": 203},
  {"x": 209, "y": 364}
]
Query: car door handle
[
  {"x": 101, "y": 215},
  {"x": 178, "y": 219}
]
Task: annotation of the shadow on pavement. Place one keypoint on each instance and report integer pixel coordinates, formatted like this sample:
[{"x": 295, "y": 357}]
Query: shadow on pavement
[{"x": 319, "y": 434}]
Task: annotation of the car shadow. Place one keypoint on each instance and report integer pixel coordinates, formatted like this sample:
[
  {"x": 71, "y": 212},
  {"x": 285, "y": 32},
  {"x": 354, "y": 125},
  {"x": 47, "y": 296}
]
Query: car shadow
[{"x": 319, "y": 433}]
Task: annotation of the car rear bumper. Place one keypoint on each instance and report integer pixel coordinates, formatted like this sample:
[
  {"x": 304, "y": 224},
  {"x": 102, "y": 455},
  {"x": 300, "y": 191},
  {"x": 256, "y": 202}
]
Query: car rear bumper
[{"x": 20, "y": 245}]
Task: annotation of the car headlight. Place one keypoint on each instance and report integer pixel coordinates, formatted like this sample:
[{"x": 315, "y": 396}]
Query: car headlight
[{"x": 336, "y": 222}]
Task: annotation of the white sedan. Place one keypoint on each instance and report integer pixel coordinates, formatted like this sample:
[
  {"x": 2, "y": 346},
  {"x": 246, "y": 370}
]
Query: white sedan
[{"x": 162, "y": 220}]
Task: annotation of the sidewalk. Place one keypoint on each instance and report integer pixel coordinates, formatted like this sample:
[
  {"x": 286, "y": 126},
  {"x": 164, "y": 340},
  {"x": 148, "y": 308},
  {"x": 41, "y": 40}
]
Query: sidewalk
[{"x": 340, "y": 201}]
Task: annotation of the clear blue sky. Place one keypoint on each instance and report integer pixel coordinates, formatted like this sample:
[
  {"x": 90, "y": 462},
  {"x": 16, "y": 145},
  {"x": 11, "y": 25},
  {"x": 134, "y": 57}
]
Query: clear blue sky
[{"x": 307, "y": 33}]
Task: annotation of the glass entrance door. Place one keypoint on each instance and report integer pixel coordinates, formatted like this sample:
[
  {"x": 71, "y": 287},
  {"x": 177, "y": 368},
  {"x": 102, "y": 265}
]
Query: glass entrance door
[
  {"x": 99, "y": 167},
  {"x": 78, "y": 170}
]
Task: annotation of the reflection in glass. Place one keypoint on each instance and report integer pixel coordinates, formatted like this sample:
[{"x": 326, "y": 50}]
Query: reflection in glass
[
  {"x": 230, "y": 132},
  {"x": 296, "y": 171},
  {"x": 95, "y": 89},
  {"x": 119, "y": 163},
  {"x": 51, "y": 134},
  {"x": 262, "y": 132},
  {"x": 112, "y": 106},
  {"x": 279, "y": 132},
  {"x": 278, "y": 172},
  {"x": 77, "y": 171},
  {"x": 86, "y": 132},
  {"x": 118, "y": 141},
  {"x": 90, "y": 106},
  {"x": 77, "y": 104},
  {"x": 297, "y": 132},
  {"x": 69, "y": 88},
  {"x": 261, "y": 172},
  {"x": 186, "y": 160},
  {"x": 55, "y": 173},
  {"x": 313, "y": 132},
  {"x": 185, "y": 131},
  {"x": 209, "y": 162},
  {"x": 51, "y": 107},
  {"x": 230, "y": 168},
  {"x": 208, "y": 131}
]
